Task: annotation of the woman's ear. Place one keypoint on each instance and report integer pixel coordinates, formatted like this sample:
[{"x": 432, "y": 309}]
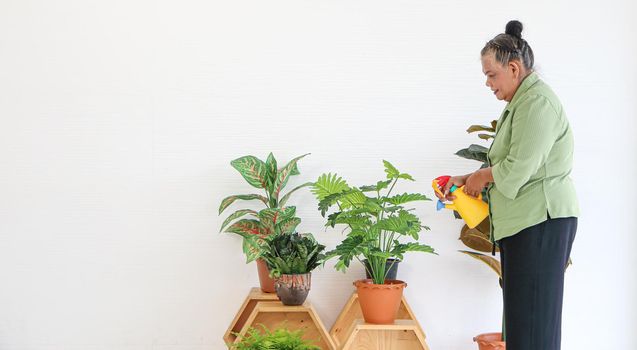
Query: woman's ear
[{"x": 516, "y": 69}]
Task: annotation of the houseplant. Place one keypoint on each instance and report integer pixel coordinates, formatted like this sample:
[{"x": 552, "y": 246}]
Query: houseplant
[
  {"x": 279, "y": 339},
  {"x": 375, "y": 222},
  {"x": 291, "y": 259},
  {"x": 276, "y": 217}
]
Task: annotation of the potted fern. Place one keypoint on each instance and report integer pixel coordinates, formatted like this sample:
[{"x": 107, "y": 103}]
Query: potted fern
[
  {"x": 291, "y": 259},
  {"x": 376, "y": 222},
  {"x": 279, "y": 339},
  {"x": 275, "y": 218}
]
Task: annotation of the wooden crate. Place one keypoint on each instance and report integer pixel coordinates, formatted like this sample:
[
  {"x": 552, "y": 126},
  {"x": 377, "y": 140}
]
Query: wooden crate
[
  {"x": 261, "y": 309},
  {"x": 255, "y": 296},
  {"x": 402, "y": 335},
  {"x": 352, "y": 311}
]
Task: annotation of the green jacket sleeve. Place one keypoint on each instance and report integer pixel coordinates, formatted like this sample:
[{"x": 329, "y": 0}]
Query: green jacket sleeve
[{"x": 534, "y": 128}]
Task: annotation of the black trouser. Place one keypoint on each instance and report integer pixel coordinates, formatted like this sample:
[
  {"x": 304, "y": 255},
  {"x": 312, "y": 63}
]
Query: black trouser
[{"x": 533, "y": 263}]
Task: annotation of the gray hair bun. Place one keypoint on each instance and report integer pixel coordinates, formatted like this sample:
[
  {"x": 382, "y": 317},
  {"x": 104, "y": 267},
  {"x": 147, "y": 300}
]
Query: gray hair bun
[{"x": 514, "y": 28}]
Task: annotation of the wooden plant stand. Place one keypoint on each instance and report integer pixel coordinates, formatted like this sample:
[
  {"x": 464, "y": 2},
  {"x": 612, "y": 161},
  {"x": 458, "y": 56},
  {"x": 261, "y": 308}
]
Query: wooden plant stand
[
  {"x": 265, "y": 308},
  {"x": 351, "y": 332}
]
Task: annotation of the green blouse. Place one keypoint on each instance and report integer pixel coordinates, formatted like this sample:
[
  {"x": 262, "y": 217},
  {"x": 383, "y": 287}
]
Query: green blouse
[{"x": 531, "y": 159}]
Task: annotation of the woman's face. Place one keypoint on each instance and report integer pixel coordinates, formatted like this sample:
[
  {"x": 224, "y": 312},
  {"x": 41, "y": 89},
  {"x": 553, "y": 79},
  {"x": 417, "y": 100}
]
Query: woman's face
[{"x": 503, "y": 80}]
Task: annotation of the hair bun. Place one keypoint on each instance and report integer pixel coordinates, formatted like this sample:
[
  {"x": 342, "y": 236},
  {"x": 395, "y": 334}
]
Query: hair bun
[{"x": 514, "y": 28}]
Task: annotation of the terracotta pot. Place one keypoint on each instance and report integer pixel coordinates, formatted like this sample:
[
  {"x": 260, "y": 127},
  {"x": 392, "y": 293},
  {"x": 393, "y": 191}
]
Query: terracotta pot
[
  {"x": 490, "y": 341},
  {"x": 380, "y": 302},
  {"x": 293, "y": 289},
  {"x": 266, "y": 282}
]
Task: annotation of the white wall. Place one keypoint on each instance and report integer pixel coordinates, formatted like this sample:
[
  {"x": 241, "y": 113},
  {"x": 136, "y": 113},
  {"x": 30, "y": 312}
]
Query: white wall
[{"x": 119, "y": 120}]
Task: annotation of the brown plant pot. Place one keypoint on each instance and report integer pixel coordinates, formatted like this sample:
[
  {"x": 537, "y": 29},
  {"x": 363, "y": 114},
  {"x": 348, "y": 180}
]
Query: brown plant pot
[
  {"x": 266, "y": 282},
  {"x": 380, "y": 302},
  {"x": 490, "y": 341},
  {"x": 293, "y": 289}
]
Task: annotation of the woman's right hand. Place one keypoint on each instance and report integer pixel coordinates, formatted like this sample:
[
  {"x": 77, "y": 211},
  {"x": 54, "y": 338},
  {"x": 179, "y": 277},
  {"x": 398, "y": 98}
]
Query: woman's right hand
[{"x": 454, "y": 180}]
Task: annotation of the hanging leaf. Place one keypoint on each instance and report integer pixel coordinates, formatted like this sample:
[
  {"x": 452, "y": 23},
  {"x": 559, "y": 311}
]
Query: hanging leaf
[
  {"x": 235, "y": 215},
  {"x": 474, "y": 152},
  {"x": 287, "y": 195},
  {"x": 252, "y": 169},
  {"x": 493, "y": 263},
  {"x": 231, "y": 199},
  {"x": 475, "y": 239},
  {"x": 485, "y": 136},
  {"x": 474, "y": 128}
]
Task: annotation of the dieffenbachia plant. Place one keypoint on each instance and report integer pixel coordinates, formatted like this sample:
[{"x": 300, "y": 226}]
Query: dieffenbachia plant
[
  {"x": 276, "y": 217},
  {"x": 375, "y": 219}
]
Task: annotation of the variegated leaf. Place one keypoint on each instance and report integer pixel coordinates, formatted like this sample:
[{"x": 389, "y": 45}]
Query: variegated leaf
[
  {"x": 237, "y": 214},
  {"x": 271, "y": 172},
  {"x": 252, "y": 169},
  {"x": 246, "y": 227},
  {"x": 284, "y": 174},
  {"x": 271, "y": 216},
  {"x": 231, "y": 199},
  {"x": 289, "y": 226}
]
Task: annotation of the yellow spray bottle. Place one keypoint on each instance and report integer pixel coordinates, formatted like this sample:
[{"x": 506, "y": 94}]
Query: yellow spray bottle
[{"x": 473, "y": 210}]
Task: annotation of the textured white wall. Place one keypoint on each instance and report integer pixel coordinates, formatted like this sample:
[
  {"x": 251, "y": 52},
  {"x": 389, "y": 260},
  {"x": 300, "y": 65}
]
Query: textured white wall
[{"x": 119, "y": 119}]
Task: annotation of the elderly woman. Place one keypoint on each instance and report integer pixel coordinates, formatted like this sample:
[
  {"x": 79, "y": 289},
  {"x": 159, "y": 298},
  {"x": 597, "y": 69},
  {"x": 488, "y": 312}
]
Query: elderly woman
[{"x": 532, "y": 201}]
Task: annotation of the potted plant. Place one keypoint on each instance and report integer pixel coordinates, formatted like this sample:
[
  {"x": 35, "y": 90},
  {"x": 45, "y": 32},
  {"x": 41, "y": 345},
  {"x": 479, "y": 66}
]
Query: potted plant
[
  {"x": 279, "y": 339},
  {"x": 291, "y": 259},
  {"x": 276, "y": 217},
  {"x": 376, "y": 222}
]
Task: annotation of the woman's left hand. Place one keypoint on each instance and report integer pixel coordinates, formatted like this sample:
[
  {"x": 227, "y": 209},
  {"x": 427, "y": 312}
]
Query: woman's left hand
[{"x": 476, "y": 182}]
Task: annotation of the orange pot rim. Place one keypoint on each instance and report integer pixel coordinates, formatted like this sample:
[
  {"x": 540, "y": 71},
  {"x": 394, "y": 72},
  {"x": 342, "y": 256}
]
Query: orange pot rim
[
  {"x": 389, "y": 284},
  {"x": 480, "y": 338}
]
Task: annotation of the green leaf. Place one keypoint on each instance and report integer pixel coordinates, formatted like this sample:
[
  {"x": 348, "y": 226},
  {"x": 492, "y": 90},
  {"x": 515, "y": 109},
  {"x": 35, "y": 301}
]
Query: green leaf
[
  {"x": 391, "y": 170},
  {"x": 252, "y": 169},
  {"x": 287, "y": 195},
  {"x": 235, "y": 215},
  {"x": 493, "y": 263},
  {"x": 405, "y": 223},
  {"x": 225, "y": 203},
  {"x": 284, "y": 174},
  {"x": 328, "y": 184},
  {"x": 399, "y": 249},
  {"x": 405, "y": 198},
  {"x": 406, "y": 177},
  {"x": 380, "y": 185}
]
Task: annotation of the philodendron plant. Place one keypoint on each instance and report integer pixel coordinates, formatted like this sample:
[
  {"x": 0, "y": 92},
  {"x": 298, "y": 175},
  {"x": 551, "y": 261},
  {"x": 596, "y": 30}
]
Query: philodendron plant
[
  {"x": 276, "y": 217},
  {"x": 375, "y": 220}
]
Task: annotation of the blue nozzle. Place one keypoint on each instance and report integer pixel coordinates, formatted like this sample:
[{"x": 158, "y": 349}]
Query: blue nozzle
[{"x": 440, "y": 205}]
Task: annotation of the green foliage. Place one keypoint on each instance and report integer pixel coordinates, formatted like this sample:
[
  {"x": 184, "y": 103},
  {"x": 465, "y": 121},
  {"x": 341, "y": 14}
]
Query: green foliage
[
  {"x": 275, "y": 218},
  {"x": 279, "y": 339},
  {"x": 374, "y": 223},
  {"x": 292, "y": 253}
]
